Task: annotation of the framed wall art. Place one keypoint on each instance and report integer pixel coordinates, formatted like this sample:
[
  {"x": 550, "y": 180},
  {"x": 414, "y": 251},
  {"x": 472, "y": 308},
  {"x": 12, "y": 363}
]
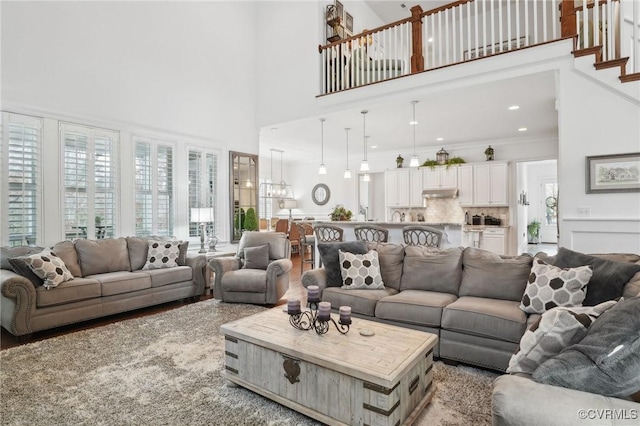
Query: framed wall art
[{"x": 613, "y": 173}]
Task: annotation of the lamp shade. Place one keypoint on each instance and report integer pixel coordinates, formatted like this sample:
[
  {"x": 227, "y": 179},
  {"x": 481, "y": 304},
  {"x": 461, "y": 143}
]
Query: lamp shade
[
  {"x": 202, "y": 214},
  {"x": 290, "y": 204}
]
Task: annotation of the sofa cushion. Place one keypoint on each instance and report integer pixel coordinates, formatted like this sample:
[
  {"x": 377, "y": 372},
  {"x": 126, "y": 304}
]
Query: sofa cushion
[
  {"x": 391, "y": 258},
  {"x": 100, "y": 256},
  {"x": 245, "y": 281},
  {"x": 46, "y": 265},
  {"x": 331, "y": 261},
  {"x": 486, "y": 274},
  {"x": 256, "y": 257},
  {"x": 550, "y": 286},
  {"x": 360, "y": 271},
  {"x": 361, "y": 301},
  {"x": 138, "y": 248},
  {"x": 494, "y": 318},
  {"x": 162, "y": 254},
  {"x": 69, "y": 291},
  {"x": 432, "y": 269},
  {"x": 161, "y": 277},
  {"x": 414, "y": 307},
  {"x": 606, "y": 361},
  {"x": 66, "y": 250},
  {"x": 276, "y": 240},
  {"x": 555, "y": 330},
  {"x": 122, "y": 282},
  {"x": 609, "y": 276}
]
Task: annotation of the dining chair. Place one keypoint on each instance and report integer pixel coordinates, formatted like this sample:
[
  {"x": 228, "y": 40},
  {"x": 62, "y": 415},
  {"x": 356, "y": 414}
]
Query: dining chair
[
  {"x": 371, "y": 233},
  {"x": 294, "y": 238},
  {"x": 307, "y": 240},
  {"x": 420, "y": 235}
]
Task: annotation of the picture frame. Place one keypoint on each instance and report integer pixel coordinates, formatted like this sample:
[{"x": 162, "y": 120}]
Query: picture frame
[
  {"x": 612, "y": 173},
  {"x": 339, "y": 10},
  {"x": 348, "y": 22}
]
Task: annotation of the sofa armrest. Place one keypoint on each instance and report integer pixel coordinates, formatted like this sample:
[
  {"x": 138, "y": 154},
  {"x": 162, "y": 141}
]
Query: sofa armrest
[
  {"x": 315, "y": 277},
  {"x": 279, "y": 267},
  {"x": 17, "y": 302},
  {"x": 220, "y": 266},
  {"x": 198, "y": 263},
  {"x": 277, "y": 279},
  {"x": 521, "y": 401}
]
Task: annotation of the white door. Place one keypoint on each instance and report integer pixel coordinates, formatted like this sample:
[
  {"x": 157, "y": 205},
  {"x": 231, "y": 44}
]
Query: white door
[{"x": 548, "y": 210}]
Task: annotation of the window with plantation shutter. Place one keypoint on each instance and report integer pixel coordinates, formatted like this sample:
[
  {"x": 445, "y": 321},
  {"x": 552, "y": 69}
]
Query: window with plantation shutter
[
  {"x": 21, "y": 179},
  {"x": 203, "y": 186},
  {"x": 90, "y": 181},
  {"x": 154, "y": 210}
]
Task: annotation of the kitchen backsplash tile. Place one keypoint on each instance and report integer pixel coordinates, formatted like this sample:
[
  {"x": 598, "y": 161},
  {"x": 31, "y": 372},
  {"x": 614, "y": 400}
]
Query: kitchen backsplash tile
[{"x": 447, "y": 210}]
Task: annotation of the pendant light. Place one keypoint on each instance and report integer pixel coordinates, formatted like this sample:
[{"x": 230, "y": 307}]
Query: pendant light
[
  {"x": 347, "y": 171},
  {"x": 283, "y": 192},
  {"x": 323, "y": 169},
  {"x": 364, "y": 166},
  {"x": 414, "y": 158}
]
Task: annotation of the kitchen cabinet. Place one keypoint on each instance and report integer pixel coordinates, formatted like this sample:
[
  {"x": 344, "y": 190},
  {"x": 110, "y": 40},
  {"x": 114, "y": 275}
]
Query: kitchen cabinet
[
  {"x": 397, "y": 188},
  {"x": 440, "y": 177},
  {"x": 465, "y": 185},
  {"x": 493, "y": 240},
  {"x": 415, "y": 193},
  {"x": 490, "y": 184}
]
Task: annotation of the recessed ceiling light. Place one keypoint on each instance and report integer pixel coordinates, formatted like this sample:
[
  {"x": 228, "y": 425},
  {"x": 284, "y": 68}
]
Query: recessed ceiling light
[
  {"x": 514, "y": 107},
  {"x": 522, "y": 129},
  {"x": 430, "y": 39},
  {"x": 374, "y": 146},
  {"x": 413, "y": 122},
  {"x": 274, "y": 129},
  {"x": 439, "y": 139}
]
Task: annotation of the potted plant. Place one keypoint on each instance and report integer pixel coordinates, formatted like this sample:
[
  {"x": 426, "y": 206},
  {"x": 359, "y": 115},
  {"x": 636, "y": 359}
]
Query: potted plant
[
  {"x": 339, "y": 213},
  {"x": 430, "y": 163},
  {"x": 250, "y": 220},
  {"x": 533, "y": 229},
  {"x": 98, "y": 220},
  {"x": 455, "y": 161},
  {"x": 399, "y": 161}
]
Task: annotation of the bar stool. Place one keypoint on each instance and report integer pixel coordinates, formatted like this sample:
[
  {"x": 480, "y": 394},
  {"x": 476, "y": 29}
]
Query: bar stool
[
  {"x": 371, "y": 233},
  {"x": 419, "y": 235},
  {"x": 307, "y": 239},
  {"x": 327, "y": 234}
]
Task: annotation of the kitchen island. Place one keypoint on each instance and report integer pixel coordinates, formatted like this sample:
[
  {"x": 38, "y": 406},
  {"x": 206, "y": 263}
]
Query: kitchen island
[{"x": 451, "y": 237}]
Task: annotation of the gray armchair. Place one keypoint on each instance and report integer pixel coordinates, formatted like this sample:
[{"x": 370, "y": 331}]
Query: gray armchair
[{"x": 250, "y": 276}]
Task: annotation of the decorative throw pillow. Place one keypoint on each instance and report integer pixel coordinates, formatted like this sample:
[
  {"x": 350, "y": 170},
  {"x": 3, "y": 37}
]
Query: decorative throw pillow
[
  {"x": 48, "y": 267},
  {"x": 550, "y": 286},
  {"x": 606, "y": 361},
  {"x": 331, "y": 260},
  {"x": 256, "y": 257},
  {"x": 555, "y": 330},
  {"x": 609, "y": 276},
  {"x": 360, "y": 271},
  {"x": 162, "y": 255}
]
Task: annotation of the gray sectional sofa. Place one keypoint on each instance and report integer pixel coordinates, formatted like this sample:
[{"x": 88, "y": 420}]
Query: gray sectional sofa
[
  {"x": 108, "y": 278},
  {"x": 469, "y": 297}
]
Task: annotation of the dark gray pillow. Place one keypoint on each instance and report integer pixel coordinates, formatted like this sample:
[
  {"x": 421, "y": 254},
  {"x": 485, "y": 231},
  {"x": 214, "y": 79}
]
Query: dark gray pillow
[
  {"x": 608, "y": 279},
  {"x": 256, "y": 257},
  {"x": 331, "y": 261},
  {"x": 606, "y": 361},
  {"x": 20, "y": 267}
]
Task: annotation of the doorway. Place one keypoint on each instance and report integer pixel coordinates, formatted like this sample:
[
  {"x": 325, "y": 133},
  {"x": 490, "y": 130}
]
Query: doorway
[{"x": 548, "y": 210}]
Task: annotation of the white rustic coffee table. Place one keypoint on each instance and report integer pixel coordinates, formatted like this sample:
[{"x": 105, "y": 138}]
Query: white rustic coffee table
[{"x": 384, "y": 379}]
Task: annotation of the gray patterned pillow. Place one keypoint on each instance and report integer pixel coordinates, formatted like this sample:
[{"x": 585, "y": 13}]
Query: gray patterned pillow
[
  {"x": 48, "y": 267},
  {"x": 162, "y": 254},
  {"x": 550, "y": 286},
  {"x": 555, "y": 330},
  {"x": 360, "y": 271}
]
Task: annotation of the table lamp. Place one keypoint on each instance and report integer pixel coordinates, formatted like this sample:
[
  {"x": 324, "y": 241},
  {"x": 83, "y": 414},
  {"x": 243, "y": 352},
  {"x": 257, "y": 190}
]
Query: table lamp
[
  {"x": 290, "y": 204},
  {"x": 202, "y": 216}
]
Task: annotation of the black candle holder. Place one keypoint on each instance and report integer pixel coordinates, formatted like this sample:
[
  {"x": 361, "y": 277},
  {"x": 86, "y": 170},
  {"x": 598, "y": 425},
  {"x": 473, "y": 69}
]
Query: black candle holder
[{"x": 310, "y": 320}]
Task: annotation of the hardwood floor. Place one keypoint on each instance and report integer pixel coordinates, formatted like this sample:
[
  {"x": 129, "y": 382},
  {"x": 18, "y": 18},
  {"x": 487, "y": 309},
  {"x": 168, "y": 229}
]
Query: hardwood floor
[{"x": 7, "y": 340}]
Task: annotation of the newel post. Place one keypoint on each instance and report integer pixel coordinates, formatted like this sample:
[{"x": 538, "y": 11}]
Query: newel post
[
  {"x": 568, "y": 19},
  {"x": 417, "y": 60}
]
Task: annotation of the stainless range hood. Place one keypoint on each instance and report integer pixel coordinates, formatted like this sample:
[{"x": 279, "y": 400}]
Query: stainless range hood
[{"x": 440, "y": 193}]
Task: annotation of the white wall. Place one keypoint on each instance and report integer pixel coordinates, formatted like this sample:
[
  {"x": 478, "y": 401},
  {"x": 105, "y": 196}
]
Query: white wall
[
  {"x": 170, "y": 70},
  {"x": 595, "y": 121}
]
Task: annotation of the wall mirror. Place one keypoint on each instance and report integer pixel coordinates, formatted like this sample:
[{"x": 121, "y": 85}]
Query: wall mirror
[
  {"x": 243, "y": 193},
  {"x": 320, "y": 194}
]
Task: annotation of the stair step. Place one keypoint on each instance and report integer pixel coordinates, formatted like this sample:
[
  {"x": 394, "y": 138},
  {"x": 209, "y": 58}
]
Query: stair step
[
  {"x": 595, "y": 50},
  {"x": 622, "y": 62},
  {"x": 630, "y": 77}
]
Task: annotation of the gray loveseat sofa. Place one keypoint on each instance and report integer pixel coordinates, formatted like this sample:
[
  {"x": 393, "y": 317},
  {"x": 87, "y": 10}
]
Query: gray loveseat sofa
[
  {"x": 469, "y": 297},
  {"x": 108, "y": 278}
]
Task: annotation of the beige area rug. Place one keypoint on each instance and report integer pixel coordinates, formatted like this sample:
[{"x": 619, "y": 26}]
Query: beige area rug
[{"x": 164, "y": 369}]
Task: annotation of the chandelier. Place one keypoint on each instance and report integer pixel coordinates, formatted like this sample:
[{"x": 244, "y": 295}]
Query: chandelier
[{"x": 280, "y": 191}]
